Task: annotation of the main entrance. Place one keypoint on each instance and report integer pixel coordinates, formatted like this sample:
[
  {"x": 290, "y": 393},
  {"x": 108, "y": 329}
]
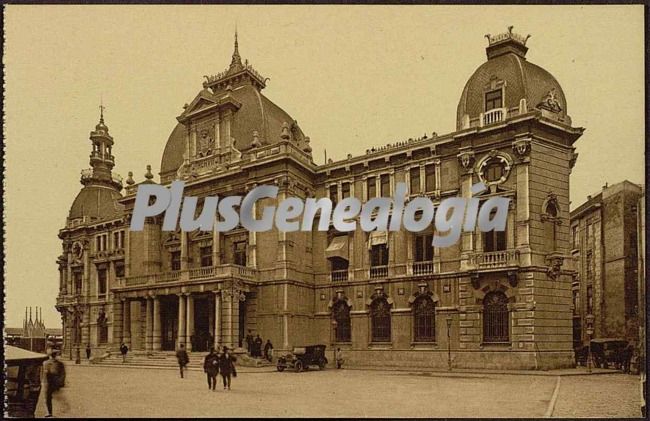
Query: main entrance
[
  {"x": 169, "y": 322},
  {"x": 203, "y": 339}
]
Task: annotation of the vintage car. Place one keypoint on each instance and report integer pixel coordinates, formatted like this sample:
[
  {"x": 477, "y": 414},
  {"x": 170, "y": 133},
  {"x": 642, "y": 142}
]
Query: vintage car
[
  {"x": 606, "y": 351},
  {"x": 302, "y": 357},
  {"x": 23, "y": 381}
]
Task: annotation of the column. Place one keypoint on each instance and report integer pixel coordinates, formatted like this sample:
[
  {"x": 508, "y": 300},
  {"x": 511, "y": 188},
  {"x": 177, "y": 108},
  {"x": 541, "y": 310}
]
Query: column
[
  {"x": 184, "y": 251},
  {"x": 182, "y": 336},
  {"x": 155, "y": 338},
  {"x": 117, "y": 321},
  {"x": 190, "y": 322},
  {"x": 216, "y": 245},
  {"x": 217, "y": 319},
  {"x": 149, "y": 325},
  {"x": 126, "y": 322}
]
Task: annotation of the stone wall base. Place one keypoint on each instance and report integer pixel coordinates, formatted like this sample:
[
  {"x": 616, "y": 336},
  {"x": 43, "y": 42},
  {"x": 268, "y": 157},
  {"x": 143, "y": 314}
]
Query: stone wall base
[{"x": 438, "y": 359}]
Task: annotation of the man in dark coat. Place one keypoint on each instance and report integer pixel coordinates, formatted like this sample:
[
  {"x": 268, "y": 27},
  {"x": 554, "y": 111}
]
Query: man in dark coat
[
  {"x": 123, "y": 350},
  {"x": 268, "y": 350},
  {"x": 227, "y": 367},
  {"x": 54, "y": 373},
  {"x": 88, "y": 351},
  {"x": 183, "y": 358},
  {"x": 211, "y": 368},
  {"x": 258, "y": 346}
]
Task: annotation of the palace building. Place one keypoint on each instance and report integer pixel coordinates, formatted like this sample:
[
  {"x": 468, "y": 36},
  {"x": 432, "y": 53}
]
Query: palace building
[{"x": 494, "y": 300}]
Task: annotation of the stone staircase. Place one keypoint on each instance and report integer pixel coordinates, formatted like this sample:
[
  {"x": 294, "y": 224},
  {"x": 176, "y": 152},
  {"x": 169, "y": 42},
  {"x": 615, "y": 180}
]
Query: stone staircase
[{"x": 167, "y": 359}]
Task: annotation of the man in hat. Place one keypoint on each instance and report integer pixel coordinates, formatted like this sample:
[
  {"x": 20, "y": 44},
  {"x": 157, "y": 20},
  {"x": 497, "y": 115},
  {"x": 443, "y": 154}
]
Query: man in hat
[
  {"x": 54, "y": 375},
  {"x": 183, "y": 358}
]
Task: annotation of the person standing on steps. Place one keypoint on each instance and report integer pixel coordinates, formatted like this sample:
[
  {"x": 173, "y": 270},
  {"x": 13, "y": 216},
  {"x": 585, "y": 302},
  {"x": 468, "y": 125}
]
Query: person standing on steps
[
  {"x": 123, "y": 350},
  {"x": 258, "y": 346},
  {"x": 268, "y": 350},
  {"x": 88, "y": 352},
  {"x": 211, "y": 368},
  {"x": 249, "y": 343},
  {"x": 227, "y": 367},
  {"x": 183, "y": 358}
]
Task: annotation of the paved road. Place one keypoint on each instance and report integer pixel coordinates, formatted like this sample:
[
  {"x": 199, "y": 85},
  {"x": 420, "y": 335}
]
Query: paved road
[{"x": 127, "y": 392}]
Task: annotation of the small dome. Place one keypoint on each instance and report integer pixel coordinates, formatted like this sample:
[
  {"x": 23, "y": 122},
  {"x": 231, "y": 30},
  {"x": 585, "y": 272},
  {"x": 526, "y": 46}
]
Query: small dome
[
  {"x": 508, "y": 68},
  {"x": 96, "y": 202}
]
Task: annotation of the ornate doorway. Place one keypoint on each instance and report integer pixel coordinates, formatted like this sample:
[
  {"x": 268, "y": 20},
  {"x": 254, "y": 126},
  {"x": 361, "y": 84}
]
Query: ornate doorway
[{"x": 202, "y": 339}]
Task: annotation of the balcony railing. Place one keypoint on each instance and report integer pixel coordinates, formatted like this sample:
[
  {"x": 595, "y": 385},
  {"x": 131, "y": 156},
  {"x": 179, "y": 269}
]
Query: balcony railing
[
  {"x": 378, "y": 272},
  {"x": 423, "y": 268},
  {"x": 495, "y": 259},
  {"x": 494, "y": 116},
  {"x": 209, "y": 272},
  {"x": 339, "y": 275}
]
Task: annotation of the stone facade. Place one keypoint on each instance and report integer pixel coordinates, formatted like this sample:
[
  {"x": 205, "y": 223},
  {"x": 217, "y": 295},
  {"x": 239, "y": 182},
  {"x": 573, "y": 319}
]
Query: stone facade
[
  {"x": 492, "y": 300},
  {"x": 605, "y": 243}
]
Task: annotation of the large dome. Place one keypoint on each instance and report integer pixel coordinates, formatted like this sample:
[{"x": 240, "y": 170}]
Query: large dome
[
  {"x": 96, "y": 203},
  {"x": 257, "y": 113},
  {"x": 507, "y": 68}
]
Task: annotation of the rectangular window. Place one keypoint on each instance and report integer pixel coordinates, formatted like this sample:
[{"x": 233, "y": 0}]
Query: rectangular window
[
  {"x": 119, "y": 269},
  {"x": 206, "y": 256},
  {"x": 372, "y": 187},
  {"x": 77, "y": 283},
  {"x": 588, "y": 232},
  {"x": 590, "y": 299},
  {"x": 176, "y": 260},
  {"x": 240, "y": 253},
  {"x": 493, "y": 99},
  {"x": 576, "y": 302},
  {"x": 494, "y": 241},
  {"x": 345, "y": 190},
  {"x": 98, "y": 243},
  {"x": 574, "y": 236},
  {"x": 116, "y": 240},
  {"x": 101, "y": 282},
  {"x": 385, "y": 185},
  {"x": 379, "y": 255},
  {"x": 588, "y": 265},
  {"x": 430, "y": 178},
  {"x": 122, "y": 233},
  {"x": 414, "y": 175},
  {"x": 334, "y": 195},
  {"x": 423, "y": 248}
]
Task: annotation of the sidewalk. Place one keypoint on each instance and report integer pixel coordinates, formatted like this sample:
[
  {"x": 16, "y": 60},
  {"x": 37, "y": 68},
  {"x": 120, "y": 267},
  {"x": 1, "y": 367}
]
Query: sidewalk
[{"x": 455, "y": 372}]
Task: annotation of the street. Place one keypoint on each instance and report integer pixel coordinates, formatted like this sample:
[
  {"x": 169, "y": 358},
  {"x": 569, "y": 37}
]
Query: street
[{"x": 94, "y": 391}]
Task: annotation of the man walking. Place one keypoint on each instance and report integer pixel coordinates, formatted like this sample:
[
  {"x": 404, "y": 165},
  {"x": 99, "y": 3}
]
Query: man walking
[
  {"x": 88, "y": 352},
  {"x": 182, "y": 357},
  {"x": 338, "y": 357},
  {"x": 227, "y": 367},
  {"x": 123, "y": 350},
  {"x": 211, "y": 368},
  {"x": 54, "y": 373}
]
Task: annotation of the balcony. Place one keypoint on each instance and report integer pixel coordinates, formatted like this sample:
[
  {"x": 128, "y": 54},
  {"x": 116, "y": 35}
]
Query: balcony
[
  {"x": 493, "y": 116},
  {"x": 379, "y": 272},
  {"x": 423, "y": 268},
  {"x": 194, "y": 274},
  {"x": 339, "y": 275},
  {"x": 495, "y": 259}
]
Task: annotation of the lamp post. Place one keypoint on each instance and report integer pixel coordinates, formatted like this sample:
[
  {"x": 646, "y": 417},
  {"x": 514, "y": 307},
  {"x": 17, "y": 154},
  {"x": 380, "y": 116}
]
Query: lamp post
[
  {"x": 589, "y": 319},
  {"x": 449, "y": 321}
]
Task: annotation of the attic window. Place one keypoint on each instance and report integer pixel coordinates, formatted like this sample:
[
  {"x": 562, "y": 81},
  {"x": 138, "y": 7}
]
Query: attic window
[{"x": 493, "y": 99}]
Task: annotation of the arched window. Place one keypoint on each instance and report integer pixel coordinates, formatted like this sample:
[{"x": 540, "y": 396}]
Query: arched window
[
  {"x": 380, "y": 320},
  {"x": 341, "y": 314},
  {"x": 495, "y": 318},
  {"x": 424, "y": 313},
  {"x": 550, "y": 222}
]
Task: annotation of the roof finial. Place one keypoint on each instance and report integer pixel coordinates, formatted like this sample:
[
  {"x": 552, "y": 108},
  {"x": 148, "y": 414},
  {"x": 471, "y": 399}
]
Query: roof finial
[
  {"x": 236, "y": 63},
  {"x": 101, "y": 109}
]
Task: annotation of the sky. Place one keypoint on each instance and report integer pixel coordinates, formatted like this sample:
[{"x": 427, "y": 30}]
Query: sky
[{"x": 352, "y": 76}]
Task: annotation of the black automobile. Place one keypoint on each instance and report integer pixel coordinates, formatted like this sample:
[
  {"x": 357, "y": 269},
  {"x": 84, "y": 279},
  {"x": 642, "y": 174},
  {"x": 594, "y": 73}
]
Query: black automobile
[
  {"x": 606, "y": 351},
  {"x": 302, "y": 357}
]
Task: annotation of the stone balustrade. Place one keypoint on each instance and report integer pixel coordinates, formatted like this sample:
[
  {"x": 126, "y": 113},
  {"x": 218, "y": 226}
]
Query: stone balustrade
[
  {"x": 209, "y": 272},
  {"x": 495, "y": 259}
]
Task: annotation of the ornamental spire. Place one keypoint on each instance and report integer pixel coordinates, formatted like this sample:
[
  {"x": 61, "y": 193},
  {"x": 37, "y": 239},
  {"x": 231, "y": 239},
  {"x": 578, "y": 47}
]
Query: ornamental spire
[{"x": 236, "y": 64}]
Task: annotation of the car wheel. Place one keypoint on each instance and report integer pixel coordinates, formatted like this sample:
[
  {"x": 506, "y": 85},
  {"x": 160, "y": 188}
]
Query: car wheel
[
  {"x": 299, "y": 366},
  {"x": 280, "y": 369}
]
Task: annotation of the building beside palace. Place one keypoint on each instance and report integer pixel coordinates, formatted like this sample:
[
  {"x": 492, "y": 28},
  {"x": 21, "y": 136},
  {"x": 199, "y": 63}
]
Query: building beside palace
[
  {"x": 383, "y": 298},
  {"x": 607, "y": 239},
  {"x": 33, "y": 336}
]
